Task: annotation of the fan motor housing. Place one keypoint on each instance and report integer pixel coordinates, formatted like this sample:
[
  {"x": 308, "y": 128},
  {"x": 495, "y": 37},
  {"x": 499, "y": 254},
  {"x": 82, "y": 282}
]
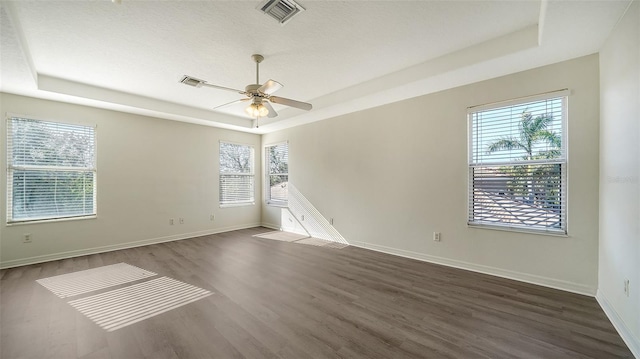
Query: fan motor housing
[{"x": 253, "y": 88}]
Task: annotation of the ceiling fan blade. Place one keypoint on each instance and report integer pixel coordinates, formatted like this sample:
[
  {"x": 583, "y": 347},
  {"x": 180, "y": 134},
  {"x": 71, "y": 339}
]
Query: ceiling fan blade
[
  {"x": 232, "y": 102},
  {"x": 270, "y": 87},
  {"x": 272, "y": 112},
  {"x": 289, "y": 102}
]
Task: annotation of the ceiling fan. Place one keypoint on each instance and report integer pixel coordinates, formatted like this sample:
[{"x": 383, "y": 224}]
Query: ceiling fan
[{"x": 259, "y": 95}]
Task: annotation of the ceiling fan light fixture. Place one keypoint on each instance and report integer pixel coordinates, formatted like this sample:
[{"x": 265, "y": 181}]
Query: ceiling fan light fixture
[
  {"x": 260, "y": 95},
  {"x": 257, "y": 110}
]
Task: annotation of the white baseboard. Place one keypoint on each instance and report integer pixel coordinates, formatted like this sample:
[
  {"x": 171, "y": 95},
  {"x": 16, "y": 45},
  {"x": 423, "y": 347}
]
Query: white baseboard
[
  {"x": 115, "y": 247},
  {"x": 271, "y": 225},
  {"x": 498, "y": 272},
  {"x": 631, "y": 340}
]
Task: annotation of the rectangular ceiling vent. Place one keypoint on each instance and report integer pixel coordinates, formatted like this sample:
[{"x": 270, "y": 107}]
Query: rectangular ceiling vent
[
  {"x": 281, "y": 10},
  {"x": 192, "y": 81}
]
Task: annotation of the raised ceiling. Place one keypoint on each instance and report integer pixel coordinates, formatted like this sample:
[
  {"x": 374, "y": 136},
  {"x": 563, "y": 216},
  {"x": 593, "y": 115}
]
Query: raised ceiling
[{"x": 341, "y": 56}]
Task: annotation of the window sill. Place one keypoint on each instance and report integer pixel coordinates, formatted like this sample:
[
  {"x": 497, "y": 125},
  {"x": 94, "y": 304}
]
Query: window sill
[
  {"x": 278, "y": 204},
  {"x": 52, "y": 220},
  {"x": 559, "y": 233},
  {"x": 244, "y": 204}
]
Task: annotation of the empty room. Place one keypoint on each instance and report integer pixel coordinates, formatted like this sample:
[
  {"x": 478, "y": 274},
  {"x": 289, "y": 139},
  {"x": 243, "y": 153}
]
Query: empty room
[{"x": 320, "y": 179}]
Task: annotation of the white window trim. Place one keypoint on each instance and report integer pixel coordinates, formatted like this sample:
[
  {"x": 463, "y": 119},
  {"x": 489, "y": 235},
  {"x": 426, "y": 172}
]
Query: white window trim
[
  {"x": 10, "y": 168},
  {"x": 267, "y": 189},
  {"x": 238, "y": 204},
  {"x": 252, "y": 174},
  {"x": 519, "y": 100},
  {"x": 51, "y": 220},
  {"x": 564, "y": 94}
]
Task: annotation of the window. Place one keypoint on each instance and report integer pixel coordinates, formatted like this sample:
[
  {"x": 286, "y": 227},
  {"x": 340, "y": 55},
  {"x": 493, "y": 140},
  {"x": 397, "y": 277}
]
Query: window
[
  {"x": 518, "y": 164},
  {"x": 51, "y": 170},
  {"x": 277, "y": 164},
  {"x": 236, "y": 174}
]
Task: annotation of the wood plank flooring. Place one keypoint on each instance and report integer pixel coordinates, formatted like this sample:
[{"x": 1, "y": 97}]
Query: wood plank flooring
[{"x": 273, "y": 299}]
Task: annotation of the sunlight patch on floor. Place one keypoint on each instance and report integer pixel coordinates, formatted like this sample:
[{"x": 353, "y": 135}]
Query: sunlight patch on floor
[
  {"x": 322, "y": 243},
  {"x": 125, "y": 306},
  {"x": 129, "y": 304},
  {"x": 71, "y": 284},
  {"x": 282, "y": 236}
]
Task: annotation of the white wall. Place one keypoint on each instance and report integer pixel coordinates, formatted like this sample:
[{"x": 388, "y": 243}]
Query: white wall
[
  {"x": 392, "y": 175},
  {"x": 149, "y": 170},
  {"x": 619, "y": 254}
]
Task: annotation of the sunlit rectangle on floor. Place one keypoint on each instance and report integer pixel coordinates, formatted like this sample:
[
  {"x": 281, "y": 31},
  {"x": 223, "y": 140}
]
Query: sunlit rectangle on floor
[
  {"x": 125, "y": 306},
  {"x": 321, "y": 243},
  {"x": 69, "y": 285},
  {"x": 282, "y": 236}
]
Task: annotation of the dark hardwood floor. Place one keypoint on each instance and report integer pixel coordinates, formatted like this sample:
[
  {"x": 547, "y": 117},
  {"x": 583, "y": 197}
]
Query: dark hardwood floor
[{"x": 276, "y": 299}]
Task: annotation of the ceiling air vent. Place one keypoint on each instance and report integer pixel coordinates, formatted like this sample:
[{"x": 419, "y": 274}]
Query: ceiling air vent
[
  {"x": 192, "y": 81},
  {"x": 281, "y": 10}
]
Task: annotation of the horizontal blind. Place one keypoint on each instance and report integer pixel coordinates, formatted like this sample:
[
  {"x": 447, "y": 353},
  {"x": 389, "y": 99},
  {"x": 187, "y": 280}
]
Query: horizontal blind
[
  {"x": 235, "y": 189},
  {"x": 236, "y": 174},
  {"x": 517, "y": 166},
  {"x": 278, "y": 173},
  {"x": 51, "y": 170},
  {"x": 519, "y": 196},
  {"x": 507, "y": 128}
]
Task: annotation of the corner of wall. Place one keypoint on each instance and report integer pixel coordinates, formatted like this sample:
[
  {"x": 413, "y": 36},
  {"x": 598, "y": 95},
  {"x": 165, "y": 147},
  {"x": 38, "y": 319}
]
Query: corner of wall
[{"x": 627, "y": 335}]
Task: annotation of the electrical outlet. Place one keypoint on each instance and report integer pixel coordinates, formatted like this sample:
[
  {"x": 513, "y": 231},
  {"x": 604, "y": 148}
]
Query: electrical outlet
[
  {"x": 212, "y": 217},
  {"x": 26, "y": 238},
  {"x": 181, "y": 220},
  {"x": 436, "y": 236},
  {"x": 626, "y": 287},
  {"x": 331, "y": 221},
  {"x": 171, "y": 221}
]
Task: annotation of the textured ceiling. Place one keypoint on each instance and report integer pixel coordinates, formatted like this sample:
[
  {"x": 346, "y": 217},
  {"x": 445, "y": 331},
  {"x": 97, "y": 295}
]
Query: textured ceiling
[{"x": 341, "y": 56}]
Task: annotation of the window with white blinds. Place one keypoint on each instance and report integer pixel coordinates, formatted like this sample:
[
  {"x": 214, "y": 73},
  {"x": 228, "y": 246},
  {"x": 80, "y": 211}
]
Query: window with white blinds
[
  {"x": 236, "y": 174},
  {"x": 51, "y": 170},
  {"x": 277, "y": 181},
  {"x": 518, "y": 164}
]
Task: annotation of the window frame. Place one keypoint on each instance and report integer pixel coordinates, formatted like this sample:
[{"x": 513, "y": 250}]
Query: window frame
[
  {"x": 10, "y": 168},
  {"x": 268, "y": 174},
  {"x": 252, "y": 200},
  {"x": 563, "y": 231}
]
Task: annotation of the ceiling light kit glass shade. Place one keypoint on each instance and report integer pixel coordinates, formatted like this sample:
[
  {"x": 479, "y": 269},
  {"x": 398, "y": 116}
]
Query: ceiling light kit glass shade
[{"x": 257, "y": 110}]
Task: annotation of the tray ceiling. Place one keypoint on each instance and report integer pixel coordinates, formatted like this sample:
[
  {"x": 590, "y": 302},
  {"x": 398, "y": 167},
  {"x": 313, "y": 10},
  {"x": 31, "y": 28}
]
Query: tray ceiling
[{"x": 340, "y": 56}]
